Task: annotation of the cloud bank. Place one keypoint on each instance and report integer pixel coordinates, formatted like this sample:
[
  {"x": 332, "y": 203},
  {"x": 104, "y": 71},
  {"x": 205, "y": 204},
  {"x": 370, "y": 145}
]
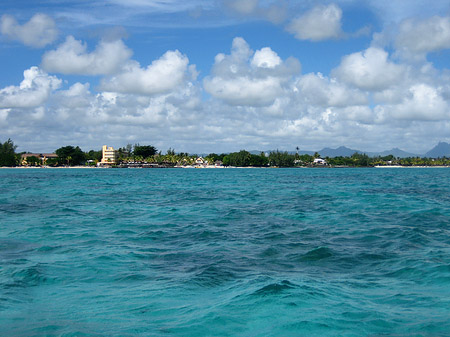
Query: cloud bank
[{"x": 385, "y": 92}]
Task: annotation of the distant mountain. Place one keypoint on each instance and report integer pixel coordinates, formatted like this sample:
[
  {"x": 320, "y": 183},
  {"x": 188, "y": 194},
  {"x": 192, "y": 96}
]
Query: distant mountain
[
  {"x": 396, "y": 152},
  {"x": 341, "y": 151},
  {"x": 440, "y": 150},
  {"x": 344, "y": 151}
]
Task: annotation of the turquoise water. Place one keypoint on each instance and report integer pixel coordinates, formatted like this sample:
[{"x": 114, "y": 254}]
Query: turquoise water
[{"x": 232, "y": 252}]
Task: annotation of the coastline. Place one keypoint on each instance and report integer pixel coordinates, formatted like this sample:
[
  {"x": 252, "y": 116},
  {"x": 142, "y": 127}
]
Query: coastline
[
  {"x": 49, "y": 167},
  {"x": 221, "y": 167}
]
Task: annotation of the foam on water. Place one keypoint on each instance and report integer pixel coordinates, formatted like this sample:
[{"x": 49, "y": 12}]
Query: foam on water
[{"x": 235, "y": 252}]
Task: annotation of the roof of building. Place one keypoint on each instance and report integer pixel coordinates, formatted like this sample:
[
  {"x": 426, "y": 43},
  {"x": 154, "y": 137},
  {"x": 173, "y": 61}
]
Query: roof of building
[{"x": 40, "y": 155}]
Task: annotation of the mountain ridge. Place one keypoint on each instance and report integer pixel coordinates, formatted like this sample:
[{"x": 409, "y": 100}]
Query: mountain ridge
[{"x": 442, "y": 149}]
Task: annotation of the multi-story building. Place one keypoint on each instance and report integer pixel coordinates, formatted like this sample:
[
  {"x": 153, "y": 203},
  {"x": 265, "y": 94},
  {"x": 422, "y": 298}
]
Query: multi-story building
[{"x": 109, "y": 155}]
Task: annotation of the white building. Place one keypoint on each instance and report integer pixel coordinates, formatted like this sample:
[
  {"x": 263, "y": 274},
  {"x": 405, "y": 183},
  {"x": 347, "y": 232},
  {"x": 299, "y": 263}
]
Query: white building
[{"x": 320, "y": 161}]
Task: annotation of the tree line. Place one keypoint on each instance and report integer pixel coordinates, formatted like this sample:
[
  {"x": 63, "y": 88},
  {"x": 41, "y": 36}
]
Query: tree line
[{"x": 74, "y": 156}]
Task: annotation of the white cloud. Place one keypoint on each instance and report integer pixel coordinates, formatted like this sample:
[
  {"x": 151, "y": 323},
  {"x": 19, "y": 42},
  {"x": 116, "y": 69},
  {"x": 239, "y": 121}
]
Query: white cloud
[
  {"x": 38, "y": 32},
  {"x": 273, "y": 11},
  {"x": 369, "y": 70},
  {"x": 421, "y": 37},
  {"x": 258, "y": 101},
  {"x": 243, "y": 7},
  {"x": 77, "y": 96},
  {"x": 247, "y": 78},
  {"x": 244, "y": 90},
  {"x": 72, "y": 58},
  {"x": 33, "y": 91},
  {"x": 421, "y": 102},
  {"x": 161, "y": 76},
  {"x": 320, "y": 23},
  {"x": 389, "y": 11},
  {"x": 265, "y": 58},
  {"x": 318, "y": 90}
]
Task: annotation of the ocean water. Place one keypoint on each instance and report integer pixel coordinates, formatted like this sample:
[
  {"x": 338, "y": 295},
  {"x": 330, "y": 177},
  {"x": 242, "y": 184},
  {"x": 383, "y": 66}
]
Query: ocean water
[{"x": 231, "y": 252}]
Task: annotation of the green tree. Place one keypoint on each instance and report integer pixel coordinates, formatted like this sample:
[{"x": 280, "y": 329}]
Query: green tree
[
  {"x": 144, "y": 151},
  {"x": 306, "y": 159},
  {"x": 361, "y": 159},
  {"x": 52, "y": 162},
  {"x": 259, "y": 160},
  {"x": 241, "y": 158},
  {"x": 281, "y": 159},
  {"x": 8, "y": 154},
  {"x": 94, "y": 155},
  {"x": 387, "y": 158},
  {"x": 33, "y": 161},
  {"x": 70, "y": 155}
]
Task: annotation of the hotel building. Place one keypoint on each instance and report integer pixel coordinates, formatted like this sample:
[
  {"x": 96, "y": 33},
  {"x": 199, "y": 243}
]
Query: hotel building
[{"x": 108, "y": 155}]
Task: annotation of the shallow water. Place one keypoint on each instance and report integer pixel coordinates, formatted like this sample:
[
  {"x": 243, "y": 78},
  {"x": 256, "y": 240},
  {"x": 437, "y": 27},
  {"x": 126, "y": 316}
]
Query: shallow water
[{"x": 233, "y": 252}]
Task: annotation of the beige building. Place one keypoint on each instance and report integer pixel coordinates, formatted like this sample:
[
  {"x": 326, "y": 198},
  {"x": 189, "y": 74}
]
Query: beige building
[
  {"x": 41, "y": 156},
  {"x": 108, "y": 155}
]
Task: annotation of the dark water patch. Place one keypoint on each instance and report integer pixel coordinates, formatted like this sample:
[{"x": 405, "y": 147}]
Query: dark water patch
[
  {"x": 308, "y": 327},
  {"x": 132, "y": 278},
  {"x": 407, "y": 273},
  {"x": 12, "y": 249},
  {"x": 317, "y": 254},
  {"x": 269, "y": 252},
  {"x": 20, "y": 208},
  {"x": 29, "y": 276},
  {"x": 48, "y": 248},
  {"x": 209, "y": 235},
  {"x": 275, "y": 236},
  {"x": 107, "y": 258},
  {"x": 125, "y": 232},
  {"x": 275, "y": 288},
  {"x": 213, "y": 275}
]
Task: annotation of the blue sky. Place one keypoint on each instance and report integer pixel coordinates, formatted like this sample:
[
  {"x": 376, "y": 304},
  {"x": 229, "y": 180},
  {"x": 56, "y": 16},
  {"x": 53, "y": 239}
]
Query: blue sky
[{"x": 202, "y": 76}]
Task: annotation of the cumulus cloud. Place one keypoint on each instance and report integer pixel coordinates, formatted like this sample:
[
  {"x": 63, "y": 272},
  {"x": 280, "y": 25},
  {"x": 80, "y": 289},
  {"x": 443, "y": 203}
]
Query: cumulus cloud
[
  {"x": 72, "y": 57},
  {"x": 421, "y": 102},
  {"x": 249, "y": 78},
  {"x": 161, "y": 76},
  {"x": 421, "y": 37},
  {"x": 78, "y": 116},
  {"x": 265, "y": 58},
  {"x": 77, "y": 96},
  {"x": 320, "y": 23},
  {"x": 369, "y": 70},
  {"x": 258, "y": 101},
  {"x": 317, "y": 90},
  {"x": 33, "y": 91},
  {"x": 38, "y": 32}
]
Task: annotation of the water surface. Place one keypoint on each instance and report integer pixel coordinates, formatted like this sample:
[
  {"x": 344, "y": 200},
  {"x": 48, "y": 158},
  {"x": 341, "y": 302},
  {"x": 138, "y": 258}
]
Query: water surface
[{"x": 232, "y": 252}]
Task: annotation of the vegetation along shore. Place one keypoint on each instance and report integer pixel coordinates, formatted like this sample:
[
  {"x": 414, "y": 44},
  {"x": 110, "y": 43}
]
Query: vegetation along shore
[{"x": 148, "y": 156}]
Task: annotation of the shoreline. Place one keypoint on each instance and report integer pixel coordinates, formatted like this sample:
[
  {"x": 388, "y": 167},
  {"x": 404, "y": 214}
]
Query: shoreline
[{"x": 217, "y": 167}]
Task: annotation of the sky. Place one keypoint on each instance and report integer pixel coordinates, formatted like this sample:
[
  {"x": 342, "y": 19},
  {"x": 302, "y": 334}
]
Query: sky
[{"x": 224, "y": 75}]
